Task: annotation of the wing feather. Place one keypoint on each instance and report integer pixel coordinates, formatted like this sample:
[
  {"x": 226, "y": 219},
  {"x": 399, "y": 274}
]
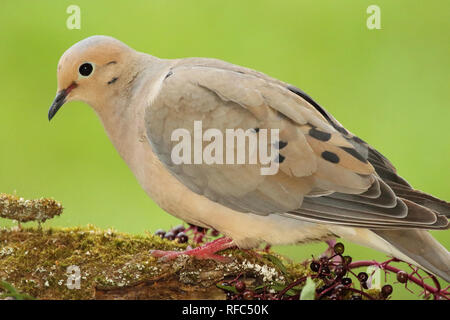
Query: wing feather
[{"x": 326, "y": 174}]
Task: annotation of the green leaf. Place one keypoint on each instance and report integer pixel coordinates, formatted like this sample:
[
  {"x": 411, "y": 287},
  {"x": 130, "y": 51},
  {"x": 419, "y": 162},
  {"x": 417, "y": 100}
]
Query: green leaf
[
  {"x": 12, "y": 292},
  {"x": 375, "y": 272},
  {"x": 227, "y": 288},
  {"x": 280, "y": 287},
  {"x": 7, "y": 287},
  {"x": 309, "y": 290},
  {"x": 277, "y": 262}
]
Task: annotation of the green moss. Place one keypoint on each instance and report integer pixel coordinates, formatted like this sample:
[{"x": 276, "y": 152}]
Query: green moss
[{"x": 36, "y": 261}]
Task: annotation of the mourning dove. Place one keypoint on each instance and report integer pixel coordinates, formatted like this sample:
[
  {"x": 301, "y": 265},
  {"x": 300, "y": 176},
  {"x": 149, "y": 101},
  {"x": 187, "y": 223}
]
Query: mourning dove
[{"x": 329, "y": 182}]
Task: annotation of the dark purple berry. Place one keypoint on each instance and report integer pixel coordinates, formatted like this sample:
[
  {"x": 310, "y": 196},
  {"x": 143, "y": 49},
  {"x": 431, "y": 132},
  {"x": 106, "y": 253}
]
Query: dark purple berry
[
  {"x": 169, "y": 235},
  {"x": 325, "y": 270},
  {"x": 346, "y": 281},
  {"x": 178, "y": 229},
  {"x": 247, "y": 295},
  {"x": 314, "y": 266},
  {"x": 182, "y": 237},
  {"x": 200, "y": 229},
  {"x": 339, "y": 248},
  {"x": 362, "y": 277},
  {"x": 402, "y": 276},
  {"x": 386, "y": 290},
  {"x": 240, "y": 286},
  {"x": 160, "y": 233},
  {"x": 340, "y": 271},
  {"x": 347, "y": 260},
  {"x": 339, "y": 289}
]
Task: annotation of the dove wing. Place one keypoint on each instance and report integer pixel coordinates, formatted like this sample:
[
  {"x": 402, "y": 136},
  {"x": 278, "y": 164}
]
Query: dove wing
[{"x": 325, "y": 174}]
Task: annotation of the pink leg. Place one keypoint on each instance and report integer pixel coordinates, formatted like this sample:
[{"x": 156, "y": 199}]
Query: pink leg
[{"x": 206, "y": 251}]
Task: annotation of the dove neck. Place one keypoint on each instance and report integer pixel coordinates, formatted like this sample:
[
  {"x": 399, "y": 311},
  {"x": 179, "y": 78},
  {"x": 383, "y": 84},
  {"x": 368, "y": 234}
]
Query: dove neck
[{"x": 123, "y": 116}]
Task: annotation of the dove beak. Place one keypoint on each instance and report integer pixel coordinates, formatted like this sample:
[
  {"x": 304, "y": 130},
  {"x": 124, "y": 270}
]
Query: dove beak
[{"x": 60, "y": 99}]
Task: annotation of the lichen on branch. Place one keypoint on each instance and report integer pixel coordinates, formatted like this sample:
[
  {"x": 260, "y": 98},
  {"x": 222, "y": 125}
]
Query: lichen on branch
[{"x": 19, "y": 209}]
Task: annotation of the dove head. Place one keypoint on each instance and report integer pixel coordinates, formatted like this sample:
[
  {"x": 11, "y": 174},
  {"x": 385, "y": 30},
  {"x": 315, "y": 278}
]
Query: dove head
[{"x": 91, "y": 70}]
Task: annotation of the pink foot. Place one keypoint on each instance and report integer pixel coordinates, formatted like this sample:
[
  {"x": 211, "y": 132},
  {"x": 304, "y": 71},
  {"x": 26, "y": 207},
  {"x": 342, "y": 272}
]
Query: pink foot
[{"x": 206, "y": 251}]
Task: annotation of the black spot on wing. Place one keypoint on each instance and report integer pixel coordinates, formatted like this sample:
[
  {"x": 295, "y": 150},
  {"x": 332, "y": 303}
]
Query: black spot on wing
[
  {"x": 330, "y": 156},
  {"x": 280, "y": 145},
  {"x": 319, "y": 135},
  {"x": 354, "y": 153},
  {"x": 280, "y": 158}
]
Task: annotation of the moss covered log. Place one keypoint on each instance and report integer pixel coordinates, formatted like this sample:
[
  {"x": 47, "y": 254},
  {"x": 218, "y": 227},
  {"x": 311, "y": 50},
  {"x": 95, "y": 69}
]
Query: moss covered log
[{"x": 114, "y": 265}]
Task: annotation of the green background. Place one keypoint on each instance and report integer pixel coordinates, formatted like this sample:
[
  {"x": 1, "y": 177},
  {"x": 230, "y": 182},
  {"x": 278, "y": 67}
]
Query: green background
[{"x": 389, "y": 86}]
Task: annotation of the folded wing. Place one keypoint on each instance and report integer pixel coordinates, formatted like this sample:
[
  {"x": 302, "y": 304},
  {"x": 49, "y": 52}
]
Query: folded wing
[{"x": 325, "y": 174}]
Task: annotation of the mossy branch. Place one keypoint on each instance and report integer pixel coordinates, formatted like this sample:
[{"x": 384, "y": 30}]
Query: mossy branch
[
  {"x": 114, "y": 265},
  {"x": 19, "y": 209}
]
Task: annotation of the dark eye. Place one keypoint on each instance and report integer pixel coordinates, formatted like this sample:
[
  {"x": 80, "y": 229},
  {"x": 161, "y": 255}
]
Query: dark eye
[{"x": 85, "y": 69}]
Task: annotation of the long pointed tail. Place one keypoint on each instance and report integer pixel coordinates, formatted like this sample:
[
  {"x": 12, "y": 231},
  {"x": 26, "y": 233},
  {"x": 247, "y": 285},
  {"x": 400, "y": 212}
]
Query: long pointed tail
[{"x": 421, "y": 248}]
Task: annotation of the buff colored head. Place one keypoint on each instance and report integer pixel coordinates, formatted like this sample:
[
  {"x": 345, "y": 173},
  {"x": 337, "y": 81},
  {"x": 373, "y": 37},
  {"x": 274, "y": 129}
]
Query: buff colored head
[{"x": 87, "y": 70}]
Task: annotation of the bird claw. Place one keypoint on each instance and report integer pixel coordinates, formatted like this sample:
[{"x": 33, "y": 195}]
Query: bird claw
[{"x": 206, "y": 251}]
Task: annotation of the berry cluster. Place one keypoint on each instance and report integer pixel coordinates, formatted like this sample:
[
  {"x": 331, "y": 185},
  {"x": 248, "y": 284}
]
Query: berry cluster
[
  {"x": 181, "y": 234},
  {"x": 414, "y": 277},
  {"x": 334, "y": 275},
  {"x": 237, "y": 290},
  {"x": 177, "y": 233}
]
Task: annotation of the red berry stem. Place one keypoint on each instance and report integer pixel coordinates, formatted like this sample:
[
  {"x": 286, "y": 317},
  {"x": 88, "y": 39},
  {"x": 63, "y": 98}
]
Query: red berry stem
[
  {"x": 329, "y": 289},
  {"x": 293, "y": 284},
  {"x": 436, "y": 292}
]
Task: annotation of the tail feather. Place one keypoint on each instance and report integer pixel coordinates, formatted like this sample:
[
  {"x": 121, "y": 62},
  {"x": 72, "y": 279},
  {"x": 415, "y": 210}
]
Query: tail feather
[{"x": 420, "y": 247}]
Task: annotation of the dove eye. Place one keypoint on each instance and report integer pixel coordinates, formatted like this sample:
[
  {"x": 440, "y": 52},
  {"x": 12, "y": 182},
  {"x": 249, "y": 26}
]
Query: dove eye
[{"x": 86, "y": 69}]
